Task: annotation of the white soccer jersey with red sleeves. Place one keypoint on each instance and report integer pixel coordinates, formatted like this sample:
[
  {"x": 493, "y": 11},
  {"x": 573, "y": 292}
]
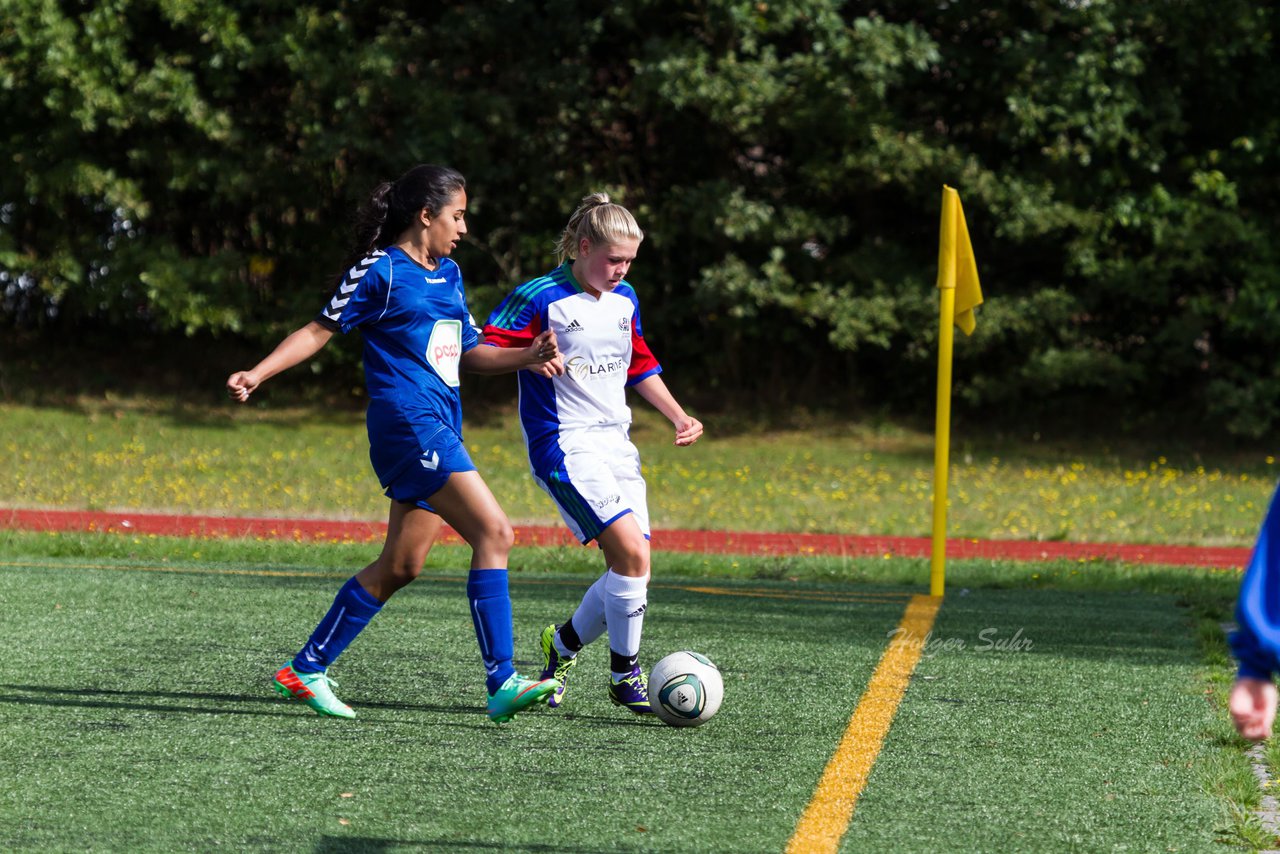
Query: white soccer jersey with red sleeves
[{"x": 601, "y": 341}]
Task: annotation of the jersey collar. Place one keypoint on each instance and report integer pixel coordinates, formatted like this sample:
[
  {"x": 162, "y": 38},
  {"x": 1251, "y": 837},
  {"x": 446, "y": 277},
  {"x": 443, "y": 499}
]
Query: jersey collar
[{"x": 567, "y": 268}]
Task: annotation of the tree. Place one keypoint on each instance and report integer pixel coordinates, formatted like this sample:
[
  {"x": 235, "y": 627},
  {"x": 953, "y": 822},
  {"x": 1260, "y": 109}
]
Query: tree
[{"x": 196, "y": 163}]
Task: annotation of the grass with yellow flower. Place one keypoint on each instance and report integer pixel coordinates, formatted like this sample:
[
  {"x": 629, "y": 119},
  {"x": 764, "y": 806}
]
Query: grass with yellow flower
[{"x": 107, "y": 454}]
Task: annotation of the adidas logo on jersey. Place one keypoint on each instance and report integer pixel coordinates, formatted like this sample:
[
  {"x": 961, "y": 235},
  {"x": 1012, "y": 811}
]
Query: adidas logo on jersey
[{"x": 574, "y": 326}]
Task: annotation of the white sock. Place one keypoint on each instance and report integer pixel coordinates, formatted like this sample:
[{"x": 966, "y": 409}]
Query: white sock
[
  {"x": 625, "y": 600},
  {"x": 588, "y": 619}
]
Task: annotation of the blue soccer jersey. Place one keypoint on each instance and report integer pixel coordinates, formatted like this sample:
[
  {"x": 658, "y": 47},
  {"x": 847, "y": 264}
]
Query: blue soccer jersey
[
  {"x": 1256, "y": 641},
  {"x": 603, "y": 348},
  {"x": 416, "y": 326}
]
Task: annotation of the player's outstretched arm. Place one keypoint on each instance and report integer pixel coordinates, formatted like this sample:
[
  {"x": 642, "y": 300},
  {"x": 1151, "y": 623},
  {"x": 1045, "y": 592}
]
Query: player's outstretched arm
[
  {"x": 299, "y": 346},
  {"x": 542, "y": 356},
  {"x": 654, "y": 390},
  {"x": 1253, "y": 707}
]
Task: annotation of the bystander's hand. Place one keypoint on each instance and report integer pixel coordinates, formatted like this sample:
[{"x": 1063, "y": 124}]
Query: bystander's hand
[{"x": 1253, "y": 707}]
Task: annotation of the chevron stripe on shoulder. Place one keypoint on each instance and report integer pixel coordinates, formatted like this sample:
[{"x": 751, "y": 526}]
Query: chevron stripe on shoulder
[
  {"x": 357, "y": 271},
  {"x": 350, "y": 282}
]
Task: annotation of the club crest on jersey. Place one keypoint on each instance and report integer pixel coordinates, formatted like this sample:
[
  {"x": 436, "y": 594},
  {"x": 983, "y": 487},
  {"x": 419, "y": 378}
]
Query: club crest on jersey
[
  {"x": 444, "y": 350},
  {"x": 624, "y": 323}
]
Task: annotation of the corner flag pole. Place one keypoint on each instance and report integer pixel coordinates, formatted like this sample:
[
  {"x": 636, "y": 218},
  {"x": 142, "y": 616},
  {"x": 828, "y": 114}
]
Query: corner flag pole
[
  {"x": 960, "y": 293},
  {"x": 942, "y": 430}
]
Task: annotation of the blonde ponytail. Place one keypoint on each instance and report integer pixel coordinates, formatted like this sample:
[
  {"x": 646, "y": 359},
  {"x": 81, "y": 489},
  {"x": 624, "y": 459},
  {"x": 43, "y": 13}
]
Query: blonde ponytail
[{"x": 599, "y": 221}]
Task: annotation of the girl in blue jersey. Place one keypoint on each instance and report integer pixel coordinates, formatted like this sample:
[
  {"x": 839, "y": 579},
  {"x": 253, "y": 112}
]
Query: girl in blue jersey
[
  {"x": 576, "y": 422},
  {"x": 405, "y": 295},
  {"x": 1256, "y": 641}
]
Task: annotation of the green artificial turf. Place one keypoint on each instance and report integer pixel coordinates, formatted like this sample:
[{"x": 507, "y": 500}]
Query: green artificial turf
[
  {"x": 136, "y": 712},
  {"x": 1047, "y": 721}
]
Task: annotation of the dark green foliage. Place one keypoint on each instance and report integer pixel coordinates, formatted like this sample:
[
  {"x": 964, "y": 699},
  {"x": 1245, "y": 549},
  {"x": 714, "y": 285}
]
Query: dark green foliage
[{"x": 193, "y": 167}]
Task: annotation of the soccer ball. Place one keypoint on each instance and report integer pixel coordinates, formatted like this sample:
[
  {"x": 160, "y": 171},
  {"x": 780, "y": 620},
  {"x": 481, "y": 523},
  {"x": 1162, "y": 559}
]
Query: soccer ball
[{"x": 685, "y": 689}]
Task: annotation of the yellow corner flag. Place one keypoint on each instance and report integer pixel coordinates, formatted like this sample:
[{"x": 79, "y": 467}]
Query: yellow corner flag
[
  {"x": 960, "y": 295},
  {"x": 956, "y": 265}
]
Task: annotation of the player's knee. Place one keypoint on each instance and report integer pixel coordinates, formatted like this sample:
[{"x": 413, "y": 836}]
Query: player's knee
[
  {"x": 495, "y": 535},
  {"x": 405, "y": 568},
  {"x": 631, "y": 558},
  {"x": 401, "y": 562}
]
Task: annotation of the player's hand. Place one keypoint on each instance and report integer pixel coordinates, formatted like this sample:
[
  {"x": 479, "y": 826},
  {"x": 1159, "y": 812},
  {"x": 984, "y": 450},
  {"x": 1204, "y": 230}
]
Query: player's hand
[
  {"x": 552, "y": 368},
  {"x": 688, "y": 430},
  {"x": 544, "y": 355},
  {"x": 241, "y": 384},
  {"x": 1253, "y": 707}
]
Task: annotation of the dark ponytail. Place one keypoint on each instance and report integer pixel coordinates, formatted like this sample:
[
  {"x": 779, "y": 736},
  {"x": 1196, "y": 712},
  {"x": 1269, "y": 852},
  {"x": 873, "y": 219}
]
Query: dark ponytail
[{"x": 393, "y": 205}]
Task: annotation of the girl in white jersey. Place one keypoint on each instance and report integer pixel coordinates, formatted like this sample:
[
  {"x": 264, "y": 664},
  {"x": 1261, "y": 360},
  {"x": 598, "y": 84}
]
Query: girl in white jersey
[
  {"x": 575, "y": 418},
  {"x": 405, "y": 295}
]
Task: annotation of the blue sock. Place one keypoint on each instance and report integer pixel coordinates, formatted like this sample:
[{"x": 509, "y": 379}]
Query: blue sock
[
  {"x": 491, "y": 614},
  {"x": 351, "y": 611}
]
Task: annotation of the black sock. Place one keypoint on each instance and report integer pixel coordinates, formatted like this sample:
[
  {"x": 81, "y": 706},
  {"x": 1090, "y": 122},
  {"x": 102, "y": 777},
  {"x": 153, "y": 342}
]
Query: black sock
[
  {"x": 569, "y": 637},
  {"x": 620, "y": 663}
]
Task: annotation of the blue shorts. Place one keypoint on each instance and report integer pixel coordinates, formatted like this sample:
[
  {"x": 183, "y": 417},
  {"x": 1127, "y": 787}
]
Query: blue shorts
[{"x": 428, "y": 474}]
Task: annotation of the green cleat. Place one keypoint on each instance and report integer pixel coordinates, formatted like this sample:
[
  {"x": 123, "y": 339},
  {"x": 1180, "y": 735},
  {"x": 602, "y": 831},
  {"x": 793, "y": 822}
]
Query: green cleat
[
  {"x": 312, "y": 689},
  {"x": 555, "y": 666},
  {"x": 518, "y": 693}
]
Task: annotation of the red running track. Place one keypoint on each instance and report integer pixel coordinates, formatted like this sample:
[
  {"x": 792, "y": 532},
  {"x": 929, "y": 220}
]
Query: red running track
[{"x": 720, "y": 542}]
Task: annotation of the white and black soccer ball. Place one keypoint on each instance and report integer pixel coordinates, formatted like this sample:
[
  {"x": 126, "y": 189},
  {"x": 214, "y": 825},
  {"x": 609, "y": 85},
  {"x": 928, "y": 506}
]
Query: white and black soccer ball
[{"x": 685, "y": 689}]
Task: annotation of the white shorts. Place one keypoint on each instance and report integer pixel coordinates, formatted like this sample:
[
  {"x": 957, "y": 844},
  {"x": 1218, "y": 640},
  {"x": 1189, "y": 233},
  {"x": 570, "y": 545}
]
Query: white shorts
[{"x": 594, "y": 478}]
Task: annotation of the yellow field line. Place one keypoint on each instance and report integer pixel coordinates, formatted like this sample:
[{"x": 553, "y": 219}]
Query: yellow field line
[
  {"x": 827, "y": 817},
  {"x": 834, "y": 597},
  {"x": 176, "y": 570},
  {"x": 858, "y": 598}
]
